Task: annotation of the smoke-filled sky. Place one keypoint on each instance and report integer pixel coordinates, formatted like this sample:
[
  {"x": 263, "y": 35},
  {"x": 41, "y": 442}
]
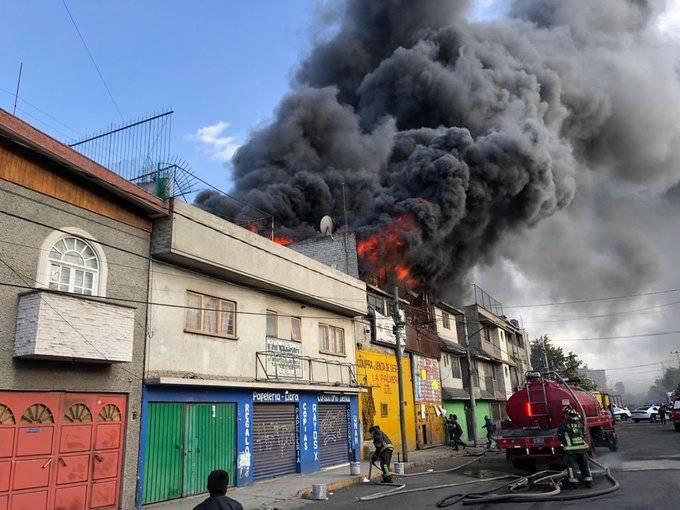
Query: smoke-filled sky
[{"x": 536, "y": 153}]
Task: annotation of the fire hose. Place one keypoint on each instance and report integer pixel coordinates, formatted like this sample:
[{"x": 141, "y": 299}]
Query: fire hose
[{"x": 549, "y": 479}]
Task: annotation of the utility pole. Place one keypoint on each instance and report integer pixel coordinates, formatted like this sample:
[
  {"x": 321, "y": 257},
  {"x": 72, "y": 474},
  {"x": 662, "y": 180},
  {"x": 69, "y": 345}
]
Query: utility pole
[
  {"x": 545, "y": 355},
  {"x": 398, "y": 325},
  {"x": 471, "y": 383}
]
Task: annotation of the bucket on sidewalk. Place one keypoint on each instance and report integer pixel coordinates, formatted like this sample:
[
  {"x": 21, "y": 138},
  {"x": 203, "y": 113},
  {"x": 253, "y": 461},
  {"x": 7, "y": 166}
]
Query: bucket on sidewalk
[
  {"x": 355, "y": 468},
  {"x": 399, "y": 468},
  {"x": 319, "y": 491}
]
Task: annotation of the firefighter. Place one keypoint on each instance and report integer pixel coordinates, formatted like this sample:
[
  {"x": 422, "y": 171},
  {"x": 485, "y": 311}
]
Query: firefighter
[
  {"x": 572, "y": 435},
  {"x": 383, "y": 452}
]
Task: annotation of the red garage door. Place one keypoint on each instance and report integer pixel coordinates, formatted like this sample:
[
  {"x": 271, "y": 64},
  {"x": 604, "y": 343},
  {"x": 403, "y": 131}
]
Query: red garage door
[{"x": 60, "y": 451}]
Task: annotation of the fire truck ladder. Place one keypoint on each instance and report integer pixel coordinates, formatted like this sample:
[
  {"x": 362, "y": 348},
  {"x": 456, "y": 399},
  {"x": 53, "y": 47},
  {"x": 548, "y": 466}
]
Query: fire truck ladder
[{"x": 537, "y": 399}]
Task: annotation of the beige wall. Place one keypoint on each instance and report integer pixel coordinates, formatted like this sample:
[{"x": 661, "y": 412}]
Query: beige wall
[
  {"x": 447, "y": 334},
  {"x": 448, "y": 381},
  {"x": 174, "y": 352}
]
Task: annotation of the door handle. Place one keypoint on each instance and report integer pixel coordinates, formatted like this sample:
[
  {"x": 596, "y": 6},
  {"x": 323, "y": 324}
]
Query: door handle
[
  {"x": 98, "y": 457},
  {"x": 49, "y": 461},
  {"x": 62, "y": 461}
]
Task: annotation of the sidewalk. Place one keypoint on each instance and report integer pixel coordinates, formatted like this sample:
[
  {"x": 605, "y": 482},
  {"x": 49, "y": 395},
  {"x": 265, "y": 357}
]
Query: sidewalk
[{"x": 288, "y": 492}]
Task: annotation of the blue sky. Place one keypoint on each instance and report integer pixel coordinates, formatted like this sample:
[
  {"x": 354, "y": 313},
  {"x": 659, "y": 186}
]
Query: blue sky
[{"x": 221, "y": 65}]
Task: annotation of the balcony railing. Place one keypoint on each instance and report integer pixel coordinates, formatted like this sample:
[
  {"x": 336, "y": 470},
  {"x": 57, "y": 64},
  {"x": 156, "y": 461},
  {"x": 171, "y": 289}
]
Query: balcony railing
[
  {"x": 485, "y": 300},
  {"x": 283, "y": 367}
]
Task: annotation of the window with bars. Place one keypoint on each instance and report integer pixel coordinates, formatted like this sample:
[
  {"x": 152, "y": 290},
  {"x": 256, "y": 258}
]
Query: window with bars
[
  {"x": 74, "y": 267},
  {"x": 377, "y": 303},
  {"x": 384, "y": 411},
  {"x": 296, "y": 329},
  {"x": 210, "y": 315},
  {"x": 331, "y": 339}
]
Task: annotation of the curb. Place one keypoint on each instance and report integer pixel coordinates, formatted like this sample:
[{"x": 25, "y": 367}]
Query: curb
[{"x": 350, "y": 481}]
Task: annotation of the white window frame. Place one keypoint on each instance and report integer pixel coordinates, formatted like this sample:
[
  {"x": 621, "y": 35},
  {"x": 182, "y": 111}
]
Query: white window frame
[
  {"x": 44, "y": 264},
  {"x": 446, "y": 320},
  {"x": 292, "y": 329},
  {"x": 275, "y": 314}
]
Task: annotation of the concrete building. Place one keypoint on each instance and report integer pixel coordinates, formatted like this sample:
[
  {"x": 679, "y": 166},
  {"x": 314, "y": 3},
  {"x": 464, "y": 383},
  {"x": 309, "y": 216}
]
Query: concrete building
[
  {"x": 377, "y": 374},
  {"x": 74, "y": 259},
  {"x": 251, "y": 358},
  {"x": 599, "y": 377}
]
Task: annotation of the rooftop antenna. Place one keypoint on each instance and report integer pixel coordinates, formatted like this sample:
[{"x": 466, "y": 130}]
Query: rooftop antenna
[{"x": 16, "y": 94}]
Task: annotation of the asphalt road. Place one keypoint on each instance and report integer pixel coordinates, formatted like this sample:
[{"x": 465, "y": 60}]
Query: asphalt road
[{"x": 647, "y": 466}]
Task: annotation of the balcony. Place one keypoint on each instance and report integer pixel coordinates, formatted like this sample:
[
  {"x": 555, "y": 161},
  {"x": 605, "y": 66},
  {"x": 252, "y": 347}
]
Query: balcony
[
  {"x": 71, "y": 327},
  {"x": 276, "y": 366}
]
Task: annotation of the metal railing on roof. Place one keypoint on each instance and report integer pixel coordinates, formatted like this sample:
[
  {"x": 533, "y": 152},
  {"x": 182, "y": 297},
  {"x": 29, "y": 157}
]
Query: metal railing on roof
[{"x": 486, "y": 301}]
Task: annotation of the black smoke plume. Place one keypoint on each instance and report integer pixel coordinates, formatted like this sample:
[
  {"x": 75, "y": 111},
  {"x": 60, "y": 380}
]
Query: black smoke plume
[{"x": 476, "y": 130}]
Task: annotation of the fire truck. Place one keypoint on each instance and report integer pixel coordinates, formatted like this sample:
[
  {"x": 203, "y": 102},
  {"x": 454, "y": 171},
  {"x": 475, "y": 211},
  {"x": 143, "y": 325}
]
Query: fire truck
[
  {"x": 675, "y": 411},
  {"x": 535, "y": 412}
]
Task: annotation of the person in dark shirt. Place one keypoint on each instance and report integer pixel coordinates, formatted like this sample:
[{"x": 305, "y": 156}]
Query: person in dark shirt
[
  {"x": 383, "y": 452},
  {"x": 217, "y": 487}
]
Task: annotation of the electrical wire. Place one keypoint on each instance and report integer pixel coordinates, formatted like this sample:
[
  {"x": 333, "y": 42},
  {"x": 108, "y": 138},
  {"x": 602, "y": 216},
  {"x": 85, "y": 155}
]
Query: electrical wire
[{"x": 94, "y": 63}]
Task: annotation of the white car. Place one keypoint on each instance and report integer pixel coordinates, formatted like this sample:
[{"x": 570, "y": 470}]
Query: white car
[
  {"x": 621, "y": 413},
  {"x": 650, "y": 413}
]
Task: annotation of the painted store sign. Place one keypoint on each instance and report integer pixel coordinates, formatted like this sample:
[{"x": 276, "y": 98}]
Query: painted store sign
[{"x": 426, "y": 380}]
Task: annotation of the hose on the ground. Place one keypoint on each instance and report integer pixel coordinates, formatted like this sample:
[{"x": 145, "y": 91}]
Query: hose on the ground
[{"x": 555, "y": 494}]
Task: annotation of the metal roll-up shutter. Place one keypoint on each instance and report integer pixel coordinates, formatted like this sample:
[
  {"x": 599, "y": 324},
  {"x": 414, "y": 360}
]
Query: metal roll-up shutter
[
  {"x": 274, "y": 440},
  {"x": 333, "y": 434}
]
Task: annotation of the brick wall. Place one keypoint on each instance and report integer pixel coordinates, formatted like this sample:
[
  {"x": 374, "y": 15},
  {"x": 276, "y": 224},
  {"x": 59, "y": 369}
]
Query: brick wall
[{"x": 332, "y": 251}]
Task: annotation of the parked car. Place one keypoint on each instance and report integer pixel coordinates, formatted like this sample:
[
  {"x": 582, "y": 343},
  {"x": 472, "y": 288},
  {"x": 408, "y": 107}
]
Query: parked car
[
  {"x": 620, "y": 413},
  {"x": 650, "y": 413}
]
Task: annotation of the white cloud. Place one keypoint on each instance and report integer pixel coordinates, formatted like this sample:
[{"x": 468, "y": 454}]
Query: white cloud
[
  {"x": 669, "y": 20},
  {"x": 215, "y": 142}
]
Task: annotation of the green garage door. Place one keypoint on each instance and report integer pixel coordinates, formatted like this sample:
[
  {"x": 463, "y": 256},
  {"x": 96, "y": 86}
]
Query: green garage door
[
  {"x": 164, "y": 454},
  {"x": 184, "y": 443},
  {"x": 210, "y": 443}
]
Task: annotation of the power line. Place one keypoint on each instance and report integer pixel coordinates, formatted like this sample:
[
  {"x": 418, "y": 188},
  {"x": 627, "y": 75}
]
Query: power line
[
  {"x": 94, "y": 63},
  {"x": 640, "y": 335},
  {"x": 41, "y": 111},
  {"x": 593, "y": 300}
]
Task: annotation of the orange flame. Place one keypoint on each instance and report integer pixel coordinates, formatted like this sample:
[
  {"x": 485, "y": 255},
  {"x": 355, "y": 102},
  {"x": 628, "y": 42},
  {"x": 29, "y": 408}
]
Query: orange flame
[
  {"x": 383, "y": 251},
  {"x": 252, "y": 227},
  {"x": 283, "y": 240}
]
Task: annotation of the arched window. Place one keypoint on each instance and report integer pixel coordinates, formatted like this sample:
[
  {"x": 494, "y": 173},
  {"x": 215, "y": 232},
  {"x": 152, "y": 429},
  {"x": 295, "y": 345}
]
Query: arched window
[{"x": 73, "y": 266}]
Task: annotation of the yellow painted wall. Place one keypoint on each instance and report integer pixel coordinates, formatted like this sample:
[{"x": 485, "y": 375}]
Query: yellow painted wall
[{"x": 377, "y": 372}]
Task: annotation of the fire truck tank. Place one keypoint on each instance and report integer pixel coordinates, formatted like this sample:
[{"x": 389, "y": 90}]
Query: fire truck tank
[{"x": 530, "y": 406}]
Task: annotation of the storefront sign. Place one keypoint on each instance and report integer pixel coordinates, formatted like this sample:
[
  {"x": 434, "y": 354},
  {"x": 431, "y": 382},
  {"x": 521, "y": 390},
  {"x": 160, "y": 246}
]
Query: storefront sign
[
  {"x": 426, "y": 380},
  {"x": 284, "y": 366},
  {"x": 274, "y": 397},
  {"x": 325, "y": 397}
]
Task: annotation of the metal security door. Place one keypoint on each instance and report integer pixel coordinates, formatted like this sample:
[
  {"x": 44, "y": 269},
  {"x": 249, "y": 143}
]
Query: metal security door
[
  {"x": 333, "y": 434},
  {"x": 274, "y": 440},
  {"x": 61, "y": 451},
  {"x": 163, "y": 456},
  {"x": 210, "y": 443}
]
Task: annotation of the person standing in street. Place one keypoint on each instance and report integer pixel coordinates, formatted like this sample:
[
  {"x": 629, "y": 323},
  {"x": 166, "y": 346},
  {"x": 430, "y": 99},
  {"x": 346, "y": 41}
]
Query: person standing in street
[
  {"x": 383, "y": 452},
  {"x": 490, "y": 429},
  {"x": 662, "y": 413},
  {"x": 218, "y": 481},
  {"x": 572, "y": 436}
]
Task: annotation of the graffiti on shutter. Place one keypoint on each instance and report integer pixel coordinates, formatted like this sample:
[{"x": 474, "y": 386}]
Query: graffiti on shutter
[
  {"x": 333, "y": 434},
  {"x": 274, "y": 440}
]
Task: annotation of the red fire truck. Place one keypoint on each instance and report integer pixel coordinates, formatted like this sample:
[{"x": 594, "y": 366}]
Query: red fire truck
[{"x": 535, "y": 412}]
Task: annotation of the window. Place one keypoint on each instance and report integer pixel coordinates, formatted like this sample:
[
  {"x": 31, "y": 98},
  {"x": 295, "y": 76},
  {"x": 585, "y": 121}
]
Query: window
[
  {"x": 73, "y": 267},
  {"x": 210, "y": 315},
  {"x": 331, "y": 339},
  {"x": 384, "y": 411},
  {"x": 446, "y": 320},
  {"x": 296, "y": 329},
  {"x": 377, "y": 303},
  {"x": 445, "y": 360},
  {"x": 272, "y": 323},
  {"x": 455, "y": 368}
]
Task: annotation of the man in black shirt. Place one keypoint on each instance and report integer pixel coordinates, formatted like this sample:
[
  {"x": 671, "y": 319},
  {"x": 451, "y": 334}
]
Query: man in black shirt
[{"x": 217, "y": 487}]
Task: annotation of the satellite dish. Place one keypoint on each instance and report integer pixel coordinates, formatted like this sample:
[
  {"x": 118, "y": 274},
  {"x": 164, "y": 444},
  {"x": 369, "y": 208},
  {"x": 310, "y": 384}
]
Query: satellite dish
[{"x": 326, "y": 225}]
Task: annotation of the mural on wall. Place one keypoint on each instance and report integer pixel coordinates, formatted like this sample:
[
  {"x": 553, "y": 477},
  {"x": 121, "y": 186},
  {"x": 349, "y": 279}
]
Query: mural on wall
[{"x": 426, "y": 380}]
